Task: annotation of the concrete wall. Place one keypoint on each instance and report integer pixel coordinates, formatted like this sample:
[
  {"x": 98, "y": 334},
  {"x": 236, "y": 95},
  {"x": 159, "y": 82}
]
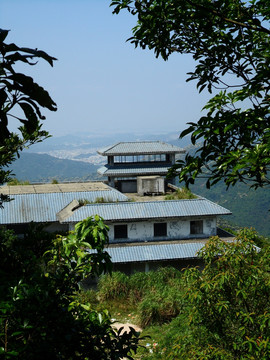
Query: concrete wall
[
  {"x": 150, "y": 185},
  {"x": 176, "y": 229},
  {"x": 127, "y": 186}
]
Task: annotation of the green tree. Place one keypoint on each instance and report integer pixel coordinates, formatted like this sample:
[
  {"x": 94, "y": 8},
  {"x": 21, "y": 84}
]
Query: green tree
[
  {"x": 229, "y": 313},
  {"x": 229, "y": 41},
  {"x": 41, "y": 314},
  {"x": 20, "y": 100}
]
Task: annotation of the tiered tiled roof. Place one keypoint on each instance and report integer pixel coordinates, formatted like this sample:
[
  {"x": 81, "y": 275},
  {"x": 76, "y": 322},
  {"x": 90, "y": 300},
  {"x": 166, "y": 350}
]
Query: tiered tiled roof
[{"x": 140, "y": 148}]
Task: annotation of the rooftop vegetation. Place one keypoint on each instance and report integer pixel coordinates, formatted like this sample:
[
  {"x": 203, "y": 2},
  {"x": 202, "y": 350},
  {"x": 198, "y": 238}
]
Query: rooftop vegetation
[
  {"x": 98, "y": 200},
  {"x": 220, "y": 312},
  {"x": 180, "y": 194},
  {"x": 15, "y": 181}
]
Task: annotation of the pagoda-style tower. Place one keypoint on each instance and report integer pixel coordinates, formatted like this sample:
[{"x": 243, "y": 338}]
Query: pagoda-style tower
[{"x": 130, "y": 163}]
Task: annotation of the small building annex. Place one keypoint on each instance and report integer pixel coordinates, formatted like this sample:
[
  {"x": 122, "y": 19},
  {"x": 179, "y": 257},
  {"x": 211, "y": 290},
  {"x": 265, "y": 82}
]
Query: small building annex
[{"x": 127, "y": 162}]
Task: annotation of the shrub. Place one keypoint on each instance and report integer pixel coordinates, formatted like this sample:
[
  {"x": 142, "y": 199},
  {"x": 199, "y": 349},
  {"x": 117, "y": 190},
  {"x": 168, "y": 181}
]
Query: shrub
[
  {"x": 83, "y": 202},
  {"x": 160, "y": 307},
  {"x": 229, "y": 299},
  {"x": 14, "y": 181},
  {"x": 156, "y": 295},
  {"x": 101, "y": 200},
  {"x": 180, "y": 194},
  {"x": 41, "y": 314},
  {"x": 149, "y": 310},
  {"x": 114, "y": 286},
  {"x": 98, "y": 200},
  {"x": 88, "y": 296},
  {"x": 138, "y": 286}
]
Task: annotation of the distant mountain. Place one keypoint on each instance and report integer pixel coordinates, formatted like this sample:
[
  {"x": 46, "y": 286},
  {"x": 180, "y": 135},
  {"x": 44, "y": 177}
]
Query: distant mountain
[
  {"x": 44, "y": 168},
  {"x": 85, "y": 141},
  {"x": 36, "y": 165}
]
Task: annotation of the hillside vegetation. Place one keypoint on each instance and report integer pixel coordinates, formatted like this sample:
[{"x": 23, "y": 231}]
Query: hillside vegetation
[
  {"x": 43, "y": 168},
  {"x": 220, "y": 312},
  {"x": 249, "y": 207}
]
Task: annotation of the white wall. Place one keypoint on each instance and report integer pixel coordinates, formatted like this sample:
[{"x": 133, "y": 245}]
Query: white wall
[{"x": 176, "y": 229}]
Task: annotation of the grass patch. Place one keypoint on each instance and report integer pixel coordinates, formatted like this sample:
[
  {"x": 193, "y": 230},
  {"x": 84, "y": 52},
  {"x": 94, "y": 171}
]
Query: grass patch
[
  {"x": 153, "y": 297},
  {"x": 113, "y": 287},
  {"x": 98, "y": 200},
  {"x": 152, "y": 300},
  {"x": 15, "y": 181},
  {"x": 181, "y": 194}
]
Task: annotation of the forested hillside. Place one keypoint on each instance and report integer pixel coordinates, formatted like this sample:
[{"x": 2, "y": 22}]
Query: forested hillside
[
  {"x": 249, "y": 207},
  {"x": 43, "y": 168}
]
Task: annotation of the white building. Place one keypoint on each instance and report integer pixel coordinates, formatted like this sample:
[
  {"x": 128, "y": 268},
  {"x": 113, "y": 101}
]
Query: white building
[
  {"x": 142, "y": 235},
  {"x": 147, "y": 235},
  {"x": 154, "y": 220}
]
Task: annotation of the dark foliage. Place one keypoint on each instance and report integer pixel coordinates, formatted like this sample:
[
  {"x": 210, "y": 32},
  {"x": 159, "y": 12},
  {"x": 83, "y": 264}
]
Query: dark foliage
[
  {"x": 21, "y": 99},
  {"x": 229, "y": 41},
  {"x": 41, "y": 316}
]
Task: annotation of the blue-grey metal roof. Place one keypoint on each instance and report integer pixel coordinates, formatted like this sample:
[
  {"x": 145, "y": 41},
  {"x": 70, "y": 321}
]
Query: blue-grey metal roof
[
  {"x": 149, "y": 210},
  {"x": 127, "y": 254},
  {"x": 140, "y": 148},
  {"x": 125, "y": 170},
  {"x": 25, "y": 208}
]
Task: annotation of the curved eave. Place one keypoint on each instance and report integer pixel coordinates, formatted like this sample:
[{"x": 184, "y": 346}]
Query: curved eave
[
  {"x": 140, "y": 148},
  {"x": 114, "y": 172},
  {"x": 129, "y": 153}
]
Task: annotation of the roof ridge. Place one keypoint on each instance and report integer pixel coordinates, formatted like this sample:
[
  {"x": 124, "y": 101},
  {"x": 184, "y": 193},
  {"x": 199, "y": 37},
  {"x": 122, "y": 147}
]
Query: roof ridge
[
  {"x": 148, "y": 202},
  {"x": 138, "y": 141},
  {"x": 108, "y": 147}
]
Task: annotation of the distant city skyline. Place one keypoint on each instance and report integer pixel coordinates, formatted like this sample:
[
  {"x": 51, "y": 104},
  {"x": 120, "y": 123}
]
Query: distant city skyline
[{"x": 100, "y": 83}]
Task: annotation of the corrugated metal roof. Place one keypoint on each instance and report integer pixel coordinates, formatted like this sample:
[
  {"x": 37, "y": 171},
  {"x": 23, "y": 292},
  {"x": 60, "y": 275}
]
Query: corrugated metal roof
[
  {"x": 54, "y": 188},
  {"x": 140, "y": 148},
  {"x": 149, "y": 210},
  {"x": 133, "y": 170},
  {"x": 44, "y": 207},
  {"x": 127, "y": 254}
]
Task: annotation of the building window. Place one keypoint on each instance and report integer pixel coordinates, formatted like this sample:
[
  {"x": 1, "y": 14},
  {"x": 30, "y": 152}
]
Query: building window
[
  {"x": 120, "y": 232},
  {"x": 196, "y": 227},
  {"x": 160, "y": 229},
  {"x": 121, "y": 159}
]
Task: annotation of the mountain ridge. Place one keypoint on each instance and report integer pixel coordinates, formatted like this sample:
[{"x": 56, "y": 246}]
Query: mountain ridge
[{"x": 44, "y": 168}]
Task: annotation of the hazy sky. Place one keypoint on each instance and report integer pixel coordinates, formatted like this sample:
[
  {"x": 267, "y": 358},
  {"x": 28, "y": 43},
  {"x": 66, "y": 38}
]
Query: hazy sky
[{"x": 100, "y": 83}]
